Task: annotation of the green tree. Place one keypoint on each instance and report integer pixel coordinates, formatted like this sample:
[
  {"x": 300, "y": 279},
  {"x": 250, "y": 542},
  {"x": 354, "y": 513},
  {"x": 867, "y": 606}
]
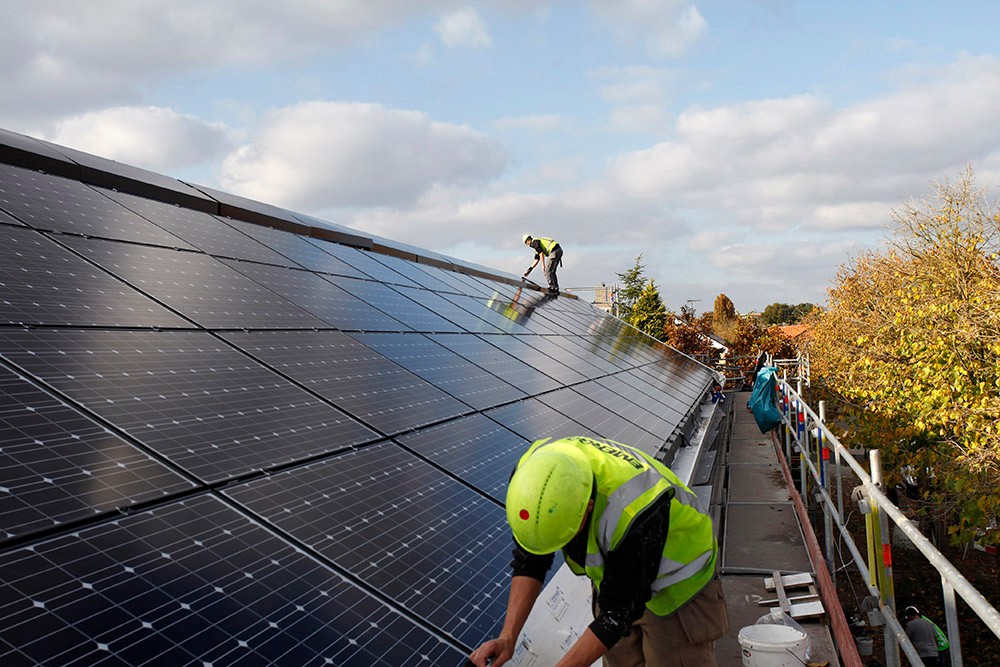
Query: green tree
[
  {"x": 649, "y": 315},
  {"x": 783, "y": 313},
  {"x": 633, "y": 281},
  {"x": 910, "y": 342}
]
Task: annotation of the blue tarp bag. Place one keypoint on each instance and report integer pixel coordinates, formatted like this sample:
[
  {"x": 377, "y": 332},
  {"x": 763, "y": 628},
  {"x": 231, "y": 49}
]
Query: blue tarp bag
[{"x": 762, "y": 400}]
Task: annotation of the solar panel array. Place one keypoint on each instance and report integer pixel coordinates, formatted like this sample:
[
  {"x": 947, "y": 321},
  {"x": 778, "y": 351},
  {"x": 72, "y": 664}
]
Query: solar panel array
[{"x": 223, "y": 442}]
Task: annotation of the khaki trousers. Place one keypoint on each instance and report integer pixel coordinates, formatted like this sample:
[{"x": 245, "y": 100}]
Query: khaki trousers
[{"x": 683, "y": 639}]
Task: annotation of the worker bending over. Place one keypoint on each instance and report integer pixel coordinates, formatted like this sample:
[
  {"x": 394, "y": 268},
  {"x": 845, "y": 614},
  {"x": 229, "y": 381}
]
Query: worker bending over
[
  {"x": 543, "y": 248},
  {"x": 628, "y": 523}
]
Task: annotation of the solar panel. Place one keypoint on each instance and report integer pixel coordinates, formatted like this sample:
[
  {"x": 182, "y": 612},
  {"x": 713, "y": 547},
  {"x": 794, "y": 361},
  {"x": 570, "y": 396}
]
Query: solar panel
[
  {"x": 388, "y": 300},
  {"x": 321, "y": 297},
  {"x": 195, "y": 582},
  {"x": 201, "y": 230},
  {"x": 493, "y": 313},
  {"x": 428, "y": 543},
  {"x": 533, "y": 420},
  {"x": 357, "y": 379},
  {"x": 43, "y": 283},
  {"x": 188, "y": 396},
  {"x": 64, "y": 205},
  {"x": 298, "y": 249},
  {"x": 443, "y": 368},
  {"x": 597, "y": 418},
  {"x": 223, "y": 442},
  {"x": 517, "y": 346},
  {"x": 589, "y": 359},
  {"x": 451, "y": 311},
  {"x": 426, "y": 277},
  {"x": 196, "y": 285},
  {"x": 474, "y": 449},
  {"x": 9, "y": 220},
  {"x": 617, "y": 396},
  {"x": 494, "y": 360},
  {"x": 58, "y": 466},
  {"x": 364, "y": 263}
]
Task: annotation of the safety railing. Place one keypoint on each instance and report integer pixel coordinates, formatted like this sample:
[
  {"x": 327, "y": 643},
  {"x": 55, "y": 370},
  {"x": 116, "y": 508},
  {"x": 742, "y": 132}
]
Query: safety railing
[{"x": 807, "y": 436}]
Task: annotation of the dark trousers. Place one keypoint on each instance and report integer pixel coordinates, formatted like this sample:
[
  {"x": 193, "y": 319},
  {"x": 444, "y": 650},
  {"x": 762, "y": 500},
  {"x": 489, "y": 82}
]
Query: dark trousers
[{"x": 551, "y": 264}]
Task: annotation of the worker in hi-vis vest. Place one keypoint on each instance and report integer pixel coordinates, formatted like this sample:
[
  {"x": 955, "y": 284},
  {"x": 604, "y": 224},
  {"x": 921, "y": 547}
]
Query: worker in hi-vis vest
[
  {"x": 628, "y": 523},
  {"x": 545, "y": 248}
]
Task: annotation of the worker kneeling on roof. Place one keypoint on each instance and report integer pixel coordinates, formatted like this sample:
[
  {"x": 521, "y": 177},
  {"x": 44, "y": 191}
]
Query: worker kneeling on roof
[{"x": 629, "y": 523}]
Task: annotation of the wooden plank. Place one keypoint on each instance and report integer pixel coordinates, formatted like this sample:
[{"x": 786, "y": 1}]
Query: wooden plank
[
  {"x": 788, "y": 581},
  {"x": 807, "y": 610}
]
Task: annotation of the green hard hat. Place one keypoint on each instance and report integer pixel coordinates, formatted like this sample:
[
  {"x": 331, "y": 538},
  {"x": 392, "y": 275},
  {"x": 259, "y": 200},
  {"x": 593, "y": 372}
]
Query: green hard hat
[{"x": 547, "y": 497}]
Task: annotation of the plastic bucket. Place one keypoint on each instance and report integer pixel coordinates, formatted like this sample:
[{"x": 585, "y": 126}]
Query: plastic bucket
[
  {"x": 773, "y": 646},
  {"x": 864, "y": 645}
]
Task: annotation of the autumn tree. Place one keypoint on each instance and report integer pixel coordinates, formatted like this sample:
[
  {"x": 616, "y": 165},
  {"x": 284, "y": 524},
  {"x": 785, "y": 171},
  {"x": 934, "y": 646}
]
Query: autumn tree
[
  {"x": 648, "y": 314},
  {"x": 750, "y": 337},
  {"x": 724, "y": 316},
  {"x": 633, "y": 282},
  {"x": 690, "y": 335},
  {"x": 910, "y": 341}
]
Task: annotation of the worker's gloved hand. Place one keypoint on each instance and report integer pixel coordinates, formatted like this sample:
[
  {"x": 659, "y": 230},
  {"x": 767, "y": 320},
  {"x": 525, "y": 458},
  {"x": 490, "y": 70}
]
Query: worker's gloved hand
[{"x": 500, "y": 650}]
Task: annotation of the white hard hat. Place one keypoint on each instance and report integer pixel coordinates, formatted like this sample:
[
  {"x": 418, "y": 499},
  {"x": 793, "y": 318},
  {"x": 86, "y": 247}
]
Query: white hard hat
[{"x": 524, "y": 239}]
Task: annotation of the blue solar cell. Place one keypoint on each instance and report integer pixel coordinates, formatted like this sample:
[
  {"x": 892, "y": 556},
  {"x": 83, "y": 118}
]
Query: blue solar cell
[
  {"x": 599, "y": 419},
  {"x": 366, "y": 264},
  {"x": 422, "y": 539},
  {"x": 58, "y": 466},
  {"x": 321, "y": 296},
  {"x": 518, "y": 346},
  {"x": 474, "y": 449},
  {"x": 298, "y": 249},
  {"x": 443, "y": 368},
  {"x": 46, "y": 284},
  {"x": 61, "y": 204},
  {"x": 532, "y": 420},
  {"x": 188, "y": 396},
  {"x": 362, "y": 382},
  {"x": 448, "y": 309},
  {"x": 403, "y": 308},
  {"x": 196, "y": 285},
  {"x": 195, "y": 582},
  {"x": 494, "y": 360},
  {"x": 203, "y": 231}
]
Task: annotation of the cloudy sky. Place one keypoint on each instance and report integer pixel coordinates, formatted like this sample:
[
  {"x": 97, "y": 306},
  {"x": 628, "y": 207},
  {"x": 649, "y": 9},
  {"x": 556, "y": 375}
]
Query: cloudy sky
[{"x": 745, "y": 147}]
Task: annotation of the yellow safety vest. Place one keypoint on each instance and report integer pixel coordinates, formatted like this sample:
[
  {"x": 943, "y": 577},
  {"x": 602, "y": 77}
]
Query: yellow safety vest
[
  {"x": 628, "y": 481},
  {"x": 547, "y": 245}
]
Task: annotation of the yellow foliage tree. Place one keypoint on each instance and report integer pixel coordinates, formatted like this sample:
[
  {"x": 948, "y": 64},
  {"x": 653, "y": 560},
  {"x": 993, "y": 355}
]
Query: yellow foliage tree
[{"x": 911, "y": 342}]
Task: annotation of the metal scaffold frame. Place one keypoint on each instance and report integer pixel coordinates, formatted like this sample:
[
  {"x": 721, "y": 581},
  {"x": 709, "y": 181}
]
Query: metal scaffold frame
[{"x": 807, "y": 436}]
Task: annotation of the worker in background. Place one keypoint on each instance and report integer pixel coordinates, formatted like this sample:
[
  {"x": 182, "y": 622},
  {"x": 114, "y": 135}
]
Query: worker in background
[
  {"x": 628, "y": 523},
  {"x": 545, "y": 248},
  {"x": 930, "y": 641}
]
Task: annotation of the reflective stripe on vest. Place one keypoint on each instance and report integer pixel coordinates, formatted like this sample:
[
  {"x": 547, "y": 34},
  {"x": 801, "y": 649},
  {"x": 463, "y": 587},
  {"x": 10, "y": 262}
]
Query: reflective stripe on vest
[{"x": 628, "y": 482}]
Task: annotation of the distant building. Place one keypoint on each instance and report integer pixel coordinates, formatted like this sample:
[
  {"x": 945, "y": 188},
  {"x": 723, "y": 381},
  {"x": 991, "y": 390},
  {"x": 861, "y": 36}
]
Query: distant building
[{"x": 605, "y": 298}]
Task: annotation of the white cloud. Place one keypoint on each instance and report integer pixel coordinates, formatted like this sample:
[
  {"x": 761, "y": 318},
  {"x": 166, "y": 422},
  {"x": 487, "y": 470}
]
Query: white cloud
[
  {"x": 64, "y": 58},
  {"x": 463, "y": 28},
  {"x": 669, "y": 27},
  {"x": 150, "y": 137},
  {"x": 319, "y": 155},
  {"x": 800, "y": 161}
]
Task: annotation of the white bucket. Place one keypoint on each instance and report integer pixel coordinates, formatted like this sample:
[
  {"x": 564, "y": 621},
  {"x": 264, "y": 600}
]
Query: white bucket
[{"x": 769, "y": 645}]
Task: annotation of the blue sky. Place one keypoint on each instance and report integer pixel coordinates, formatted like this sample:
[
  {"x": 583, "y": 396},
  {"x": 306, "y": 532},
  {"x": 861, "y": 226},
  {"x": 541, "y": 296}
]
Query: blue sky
[{"x": 745, "y": 147}]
